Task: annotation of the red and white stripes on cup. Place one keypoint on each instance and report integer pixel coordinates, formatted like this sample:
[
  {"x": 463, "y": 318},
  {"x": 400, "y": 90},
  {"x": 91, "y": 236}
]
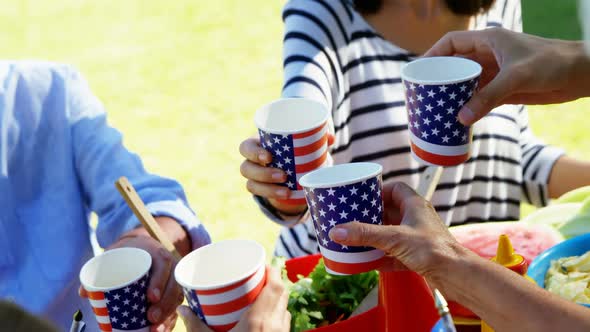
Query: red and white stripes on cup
[
  {"x": 221, "y": 308},
  {"x": 297, "y": 155},
  {"x": 122, "y": 309},
  {"x": 99, "y": 306}
]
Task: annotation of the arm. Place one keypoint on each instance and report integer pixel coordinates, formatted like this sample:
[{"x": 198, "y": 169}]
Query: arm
[
  {"x": 537, "y": 162},
  {"x": 308, "y": 62},
  {"x": 546, "y": 171},
  {"x": 100, "y": 159},
  {"x": 417, "y": 238},
  {"x": 507, "y": 301},
  {"x": 511, "y": 69}
]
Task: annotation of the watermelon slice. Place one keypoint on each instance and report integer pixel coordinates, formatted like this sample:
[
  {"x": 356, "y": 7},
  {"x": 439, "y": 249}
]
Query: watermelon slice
[{"x": 528, "y": 240}]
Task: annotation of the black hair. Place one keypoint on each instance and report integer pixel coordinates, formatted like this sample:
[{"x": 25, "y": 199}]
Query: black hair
[{"x": 459, "y": 7}]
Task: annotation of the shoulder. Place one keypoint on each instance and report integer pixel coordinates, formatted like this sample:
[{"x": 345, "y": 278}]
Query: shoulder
[
  {"x": 37, "y": 70},
  {"x": 37, "y": 82},
  {"x": 47, "y": 85},
  {"x": 341, "y": 9},
  {"x": 334, "y": 16},
  {"x": 36, "y": 77}
]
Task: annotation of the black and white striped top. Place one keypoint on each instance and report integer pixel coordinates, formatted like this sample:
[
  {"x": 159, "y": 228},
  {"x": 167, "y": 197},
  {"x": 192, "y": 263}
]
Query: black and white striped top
[{"x": 331, "y": 54}]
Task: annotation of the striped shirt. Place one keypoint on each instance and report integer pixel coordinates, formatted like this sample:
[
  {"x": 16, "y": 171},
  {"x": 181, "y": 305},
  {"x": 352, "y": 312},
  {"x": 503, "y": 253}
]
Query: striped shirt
[{"x": 331, "y": 54}]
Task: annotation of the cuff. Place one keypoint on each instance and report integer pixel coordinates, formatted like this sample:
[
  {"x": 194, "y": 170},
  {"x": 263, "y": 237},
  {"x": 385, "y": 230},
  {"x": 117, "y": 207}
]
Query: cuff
[
  {"x": 537, "y": 181},
  {"x": 276, "y": 216},
  {"x": 185, "y": 217}
]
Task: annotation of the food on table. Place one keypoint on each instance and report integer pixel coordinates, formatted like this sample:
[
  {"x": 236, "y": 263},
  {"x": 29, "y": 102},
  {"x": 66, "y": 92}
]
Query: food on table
[
  {"x": 578, "y": 224},
  {"x": 322, "y": 299},
  {"x": 575, "y": 196},
  {"x": 569, "y": 215},
  {"x": 542, "y": 229},
  {"x": 553, "y": 215},
  {"x": 569, "y": 277},
  {"x": 527, "y": 240}
]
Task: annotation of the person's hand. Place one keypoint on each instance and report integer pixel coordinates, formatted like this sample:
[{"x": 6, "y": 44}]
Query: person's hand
[
  {"x": 413, "y": 236},
  {"x": 163, "y": 294},
  {"x": 268, "y": 313},
  {"x": 517, "y": 69},
  {"x": 262, "y": 180}
]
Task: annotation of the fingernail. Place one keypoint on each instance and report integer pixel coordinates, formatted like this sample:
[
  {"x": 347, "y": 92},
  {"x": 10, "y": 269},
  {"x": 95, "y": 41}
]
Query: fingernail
[
  {"x": 262, "y": 157},
  {"x": 277, "y": 176},
  {"x": 282, "y": 193},
  {"x": 466, "y": 116},
  {"x": 338, "y": 234},
  {"x": 157, "y": 294},
  {"x": 161, "y": 328},
  {"x": 156, "y": 313}
]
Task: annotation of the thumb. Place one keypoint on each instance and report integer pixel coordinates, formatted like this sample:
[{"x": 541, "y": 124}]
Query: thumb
[
  {"x": 191, "y": 322},
  {"x": 367, "y": 235},
  {"x": 488, "y": 97}
]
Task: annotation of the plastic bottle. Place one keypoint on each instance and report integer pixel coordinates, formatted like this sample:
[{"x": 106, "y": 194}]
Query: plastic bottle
[{"x": 506, "y": 257}]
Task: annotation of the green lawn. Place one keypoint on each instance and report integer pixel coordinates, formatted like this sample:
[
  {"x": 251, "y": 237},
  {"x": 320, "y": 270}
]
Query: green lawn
[
  {"x": 551, "y": 18},
  {"x": 182, "y": 79}
]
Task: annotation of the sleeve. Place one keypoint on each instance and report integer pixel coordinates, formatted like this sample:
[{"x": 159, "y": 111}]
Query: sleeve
[
  {"x": 101, "y": 158},
  {"x": 314, "y": 32},
  {"x": 312, "y": 38},
  {"x": 537, "y": 163}
]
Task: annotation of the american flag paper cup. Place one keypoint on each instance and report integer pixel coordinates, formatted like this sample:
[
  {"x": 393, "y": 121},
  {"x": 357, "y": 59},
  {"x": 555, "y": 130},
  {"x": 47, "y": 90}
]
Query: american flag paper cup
[
  {"x": 117, "y": 282},
  {"x": 435, "y": 90},
  {"x": 295, "y": 131},
  {"x": 340, "y": 194},
  {"x": 221, "y": 280}
]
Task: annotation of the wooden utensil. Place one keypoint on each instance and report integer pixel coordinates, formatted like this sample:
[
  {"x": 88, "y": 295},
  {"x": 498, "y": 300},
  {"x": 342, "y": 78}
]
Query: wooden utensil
[
  {"x": 141, "y": 212},
  {"x": 428, "y": 181}
]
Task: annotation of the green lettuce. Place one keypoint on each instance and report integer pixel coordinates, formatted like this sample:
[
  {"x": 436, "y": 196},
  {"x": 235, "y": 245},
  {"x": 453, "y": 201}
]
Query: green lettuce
[{"x": 322, "y": 298}]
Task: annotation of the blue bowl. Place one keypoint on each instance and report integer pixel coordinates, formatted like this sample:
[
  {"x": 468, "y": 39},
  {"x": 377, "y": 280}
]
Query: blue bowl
[{"x": 576, "y": 246}]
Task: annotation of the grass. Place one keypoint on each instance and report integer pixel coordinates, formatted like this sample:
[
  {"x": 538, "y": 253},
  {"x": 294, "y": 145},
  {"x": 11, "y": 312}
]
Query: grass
[
  {"x": 182, "y": 79},
  {"x": 551, "y": 19}
]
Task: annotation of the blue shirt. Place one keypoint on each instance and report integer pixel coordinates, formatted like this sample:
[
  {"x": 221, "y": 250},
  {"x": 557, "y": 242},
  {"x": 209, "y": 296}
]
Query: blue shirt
[{"x": 59, "y": 160}]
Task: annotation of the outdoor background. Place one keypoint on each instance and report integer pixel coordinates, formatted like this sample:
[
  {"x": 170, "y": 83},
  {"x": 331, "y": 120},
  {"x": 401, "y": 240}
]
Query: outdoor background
[{"x": 183, "y": 78}]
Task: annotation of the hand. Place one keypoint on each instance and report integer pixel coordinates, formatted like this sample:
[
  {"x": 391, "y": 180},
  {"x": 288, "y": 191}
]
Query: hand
[
  {"x": 263, "y": 181},
  {"x": 163, "y": 292},
  {"x": 162, "y": 312},
  {"x": 517, "y": 69},
  {"x": 413, "y": 236},
  {"x": 268, "y": 313}
]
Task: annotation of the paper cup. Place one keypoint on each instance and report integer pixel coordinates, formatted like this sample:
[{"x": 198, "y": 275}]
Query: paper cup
[
  {"x": 221, "y": 280},
  {"x": 436, "y": 88},
  {"x": 117, "y": 282},
  {"x": 340, "y": 194},
  {"x": 295, "y": 131}
]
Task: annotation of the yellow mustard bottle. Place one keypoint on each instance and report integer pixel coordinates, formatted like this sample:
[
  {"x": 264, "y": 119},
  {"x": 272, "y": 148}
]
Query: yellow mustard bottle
[{"x": 506, "y": 257}]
